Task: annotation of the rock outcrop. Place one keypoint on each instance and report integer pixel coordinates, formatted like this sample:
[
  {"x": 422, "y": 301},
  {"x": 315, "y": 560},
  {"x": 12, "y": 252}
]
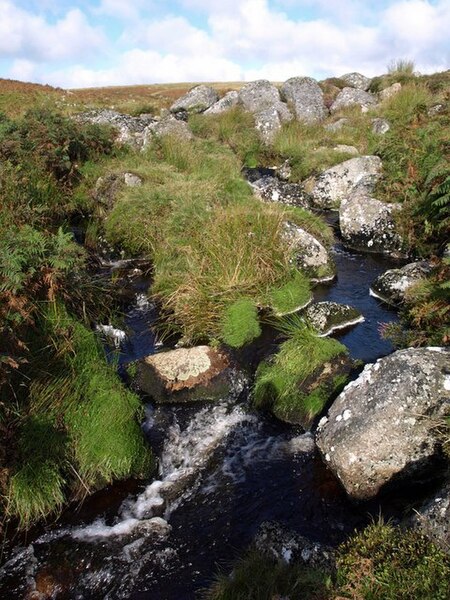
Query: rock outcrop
[
  {"x": 367, "y": 224},
  {"x": 187, "y": 374},
  {"x": 390, "y": 91},
  {"x": 306, "y": 99},
  {"x": 392, "y": 285},
  {"x": 130, "y": 130},
  {"x": 327, "y": 317},
  {"x": 341, "y": 181},
  {"x": 356, "y": 80},
  {"x": 168, "y": 126},
  {"x": 308, "y": 253},
  {"x": 271, "y": 189},
  {"x": 381, "y": 429},
  {"x": 197, "y": 100},
  {"x": 230, "y": 100},
  {"x": 262, "y": 99},
  {"x": 352, "y": 97}
]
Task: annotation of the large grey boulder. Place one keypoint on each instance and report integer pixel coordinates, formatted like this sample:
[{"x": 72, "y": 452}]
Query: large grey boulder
[
  {"x": 187, "y": 374},
  {"x": 327, "y": 317},
  {"x": 381, "y": 429},
  {"x": 333, "y": 185},
  {"x": 433, "y": 517},
  {"x": 196, "y": 100},
  {"x": 230, "y": 100},
  {"x": 356, "y": 80},
  {"x": 352, "y": 97},
  {"x": 392, "y": 285},
  {"x": 306, "y": 99},
  {"x": 262, "y": 99},
  {"x": 167, "y": 126},
  {"x": 272, "y": 189},
  {"x": 390, "y": 91},
  {"x": 308, "y": 253},
  {"x": 367, "y": 224}
]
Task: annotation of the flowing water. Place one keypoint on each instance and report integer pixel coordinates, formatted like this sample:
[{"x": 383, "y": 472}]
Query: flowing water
[{"x": 223, "y": 470}]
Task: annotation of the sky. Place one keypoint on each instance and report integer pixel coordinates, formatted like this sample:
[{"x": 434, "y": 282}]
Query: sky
[{"x": 90, "y": 43}]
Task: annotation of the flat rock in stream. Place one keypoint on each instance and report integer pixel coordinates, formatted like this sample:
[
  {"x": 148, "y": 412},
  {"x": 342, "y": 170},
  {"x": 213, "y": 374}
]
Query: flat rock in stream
[
  {"x": 382, "y": 428},
  {"x": 188, "y": 374},
  {"x": 327, "y": 317},
  {"x": 392, "y": 285}
]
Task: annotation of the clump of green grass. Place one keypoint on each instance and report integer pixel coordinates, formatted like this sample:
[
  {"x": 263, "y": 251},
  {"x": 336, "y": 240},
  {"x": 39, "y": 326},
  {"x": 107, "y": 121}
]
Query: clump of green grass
[
  {"x": 36, "y": 487},
  {"x": 408, "y": 104},
  {"x": 291, "y": 296},
  {"x": 236, "y": 129},
  {"x": 278, "y": 383},
  {"x": 241, "y": 324},
  {"x": 259, "y": 577},
  {"x": 385, "y": 563},
  {"x": 311, "y": 223}
]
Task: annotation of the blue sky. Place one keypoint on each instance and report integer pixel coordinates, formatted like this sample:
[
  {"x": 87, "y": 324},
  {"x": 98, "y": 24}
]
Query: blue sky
[{"x": 115, "y": 42}]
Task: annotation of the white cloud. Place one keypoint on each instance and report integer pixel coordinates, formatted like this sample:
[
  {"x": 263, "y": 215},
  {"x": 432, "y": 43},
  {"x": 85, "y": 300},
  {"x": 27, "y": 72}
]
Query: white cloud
[{"x": 31, "y": 37}]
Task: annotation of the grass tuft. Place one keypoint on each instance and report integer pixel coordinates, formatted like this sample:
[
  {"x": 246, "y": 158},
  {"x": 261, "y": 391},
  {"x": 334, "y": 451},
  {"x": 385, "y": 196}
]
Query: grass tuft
[{"x": 241, "y": 324}]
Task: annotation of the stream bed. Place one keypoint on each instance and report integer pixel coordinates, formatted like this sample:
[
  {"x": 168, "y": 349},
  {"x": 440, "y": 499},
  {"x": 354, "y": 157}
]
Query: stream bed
[{"x": 223, "y": 470}]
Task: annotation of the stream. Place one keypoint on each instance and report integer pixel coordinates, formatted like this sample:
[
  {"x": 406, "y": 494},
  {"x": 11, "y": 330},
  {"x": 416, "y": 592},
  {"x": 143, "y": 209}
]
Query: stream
[{"x": 223, "y": 470}]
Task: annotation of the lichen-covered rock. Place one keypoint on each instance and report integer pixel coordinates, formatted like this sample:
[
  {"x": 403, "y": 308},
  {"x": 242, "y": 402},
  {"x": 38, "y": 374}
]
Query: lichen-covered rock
[
  {"x": 308, "y": 253},
  {"x": 333, "y": 185},
  {"x": 390, "y": 91},
  {"x": 108, "y": 187},
  {"x": 368, "y": 225},
  {"x": 351, "y": 97},
  {"x": 271, "y": 189},
  {"x": 197, "y": 100},
  {"x": 381, "y": 428},
  {"x": 380, "y": 126},
  {"x": 327, "y": 317},
  {"x": 130, "y": 130},
  {"x": 262, "y": 99},
  {"x": 187, "y": 374},
  {"x": 282, "y": 544},
  {"x": 392, "y": 285},
  {"x": 337, "y": 125},
  {"x": 168, "y": 126},
  {"x": 230, "y": 100},
  {"x": 356, "y": 80},
  {"x": 433, "y": 517},
  {"x": 306, "y": 99}
]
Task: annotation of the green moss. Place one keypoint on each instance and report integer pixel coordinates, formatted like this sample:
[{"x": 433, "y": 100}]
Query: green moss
[
  {"x": 291, "y": 296},
  {"x": 241, "y": 324},
  {"x": 280, "y": 383}
]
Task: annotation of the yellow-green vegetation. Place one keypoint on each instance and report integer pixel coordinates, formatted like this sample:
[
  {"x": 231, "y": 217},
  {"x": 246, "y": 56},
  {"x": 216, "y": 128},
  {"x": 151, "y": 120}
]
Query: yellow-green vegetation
[
  {"x": 212, "y": 243},
  {"x": 240, "y": 324},
  {"x": 278, "y": 383},
  {"x": 380, "y": 563}
]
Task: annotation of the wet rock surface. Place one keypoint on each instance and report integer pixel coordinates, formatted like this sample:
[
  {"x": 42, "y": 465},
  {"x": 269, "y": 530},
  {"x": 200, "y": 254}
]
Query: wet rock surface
[
  {"x": 286, "y": 545},
  {"x": 197, "y": 100},
  {"x": 309, "y": 254},
  {"x": 187, "y": 374},
  {"x": 382, "y": 428},
  {"x": 327, "y": 317},
  {"x": 368, "y": 225},
  {"x": 358, "y": 174},
  {"x": 392, "y": 286},
  {"x": 306, "y": 99}
]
